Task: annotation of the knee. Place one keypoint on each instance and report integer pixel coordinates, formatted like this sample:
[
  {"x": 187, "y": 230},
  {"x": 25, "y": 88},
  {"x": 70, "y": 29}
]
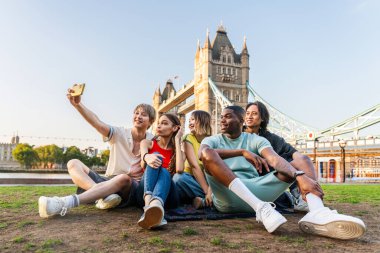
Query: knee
[
  {"x": 74, "y": 164},
  {"x": 178, "y": 178},
  {"x": 123, "y": 180}
]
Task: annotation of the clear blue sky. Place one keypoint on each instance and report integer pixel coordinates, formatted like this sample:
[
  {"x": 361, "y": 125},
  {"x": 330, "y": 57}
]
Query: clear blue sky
[{"x": 317, "y": 61}]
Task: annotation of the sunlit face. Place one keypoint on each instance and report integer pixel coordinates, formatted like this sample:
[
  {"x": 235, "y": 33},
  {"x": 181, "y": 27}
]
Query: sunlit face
[
  {"x": 229, "y": 122},
  {"x": 141, "y": 119},
  {"x": 165, "y": 128},
  {"x": 252, "y": 116},
  {"x": 192, "y": 124}
]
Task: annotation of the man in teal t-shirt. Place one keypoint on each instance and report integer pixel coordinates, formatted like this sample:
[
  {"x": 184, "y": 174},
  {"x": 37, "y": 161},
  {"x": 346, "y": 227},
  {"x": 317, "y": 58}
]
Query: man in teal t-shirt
[{"x": 231, "y": 161}]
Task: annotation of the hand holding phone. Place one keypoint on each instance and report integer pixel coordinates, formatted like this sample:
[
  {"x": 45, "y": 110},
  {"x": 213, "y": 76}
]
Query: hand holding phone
[{"x": 77, "y": 89}]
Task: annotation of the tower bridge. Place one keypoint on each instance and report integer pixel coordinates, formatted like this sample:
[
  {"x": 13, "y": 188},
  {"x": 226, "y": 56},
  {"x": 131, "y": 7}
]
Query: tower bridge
[{"x": 221, "y": 78}]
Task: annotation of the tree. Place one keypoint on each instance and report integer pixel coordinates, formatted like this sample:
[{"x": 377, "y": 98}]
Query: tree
[
  {"x": 49, "y": 155},
  {"x": 95, "y": 161},
  {"x": 105, "y": 156},
  {"x": 25, "y": 155},
  {"x": 74, "y": 152}
]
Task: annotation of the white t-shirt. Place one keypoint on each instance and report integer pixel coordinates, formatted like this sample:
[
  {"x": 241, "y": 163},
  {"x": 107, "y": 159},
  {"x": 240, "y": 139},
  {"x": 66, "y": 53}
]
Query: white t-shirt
[{"x": 122, "y": 160}]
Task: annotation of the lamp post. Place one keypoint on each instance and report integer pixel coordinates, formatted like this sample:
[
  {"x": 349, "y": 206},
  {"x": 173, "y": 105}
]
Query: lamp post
[
  {"x": 342, "y": 145},
  {"x": 315, "y": 156}
]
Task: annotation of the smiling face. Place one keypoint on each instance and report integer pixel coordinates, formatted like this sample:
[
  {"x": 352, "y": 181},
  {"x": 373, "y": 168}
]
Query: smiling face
[
  {"x": 230, "y": 123},
  {"x": 252, "y": 117},
  {"x": 165, "y": 127},
  {"x": 192, "y": 124},
  {"x": 141, "y": 119}
]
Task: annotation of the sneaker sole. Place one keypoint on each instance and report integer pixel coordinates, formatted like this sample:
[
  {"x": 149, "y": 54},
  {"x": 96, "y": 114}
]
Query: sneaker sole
[
  {"x": 344, "y": 230},
  {"x": 278, "y": 224},
  {"x": 301, "y": 209},
  {"x": 162, "y": 224},
  {"x": 110, "y": 204},
  {"x": 153, "y": 217},
  {"x": 42, "y": 203}
]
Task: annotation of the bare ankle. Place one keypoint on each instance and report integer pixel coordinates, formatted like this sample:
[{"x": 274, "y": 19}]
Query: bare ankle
[{"x": 197, "y": 202}]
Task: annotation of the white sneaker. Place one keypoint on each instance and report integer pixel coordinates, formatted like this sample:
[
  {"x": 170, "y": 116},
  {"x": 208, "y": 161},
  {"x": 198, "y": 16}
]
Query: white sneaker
[
  {"x": 51, "y": 206},
  {"x": 269, "y": 216},
  {"x": 300, "y": 205},
  {"x": 111, "y": 201},
  {"x": 152, "y": 216},
  {"x": 163, "y": 223},
  {"x": 330, "y": 223}
]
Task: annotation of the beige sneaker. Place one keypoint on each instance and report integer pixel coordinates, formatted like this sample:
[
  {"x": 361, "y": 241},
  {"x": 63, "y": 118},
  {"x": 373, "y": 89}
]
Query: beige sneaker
[
  {"x": 330, "y": 223},
  {"x": 48, "y": 206},
  {"x": 152, "y": 217},
  {"x": 111, "y": 201}
]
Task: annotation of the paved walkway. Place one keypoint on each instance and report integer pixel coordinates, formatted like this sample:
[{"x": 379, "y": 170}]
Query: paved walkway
[{"x": 34, "y": 178}]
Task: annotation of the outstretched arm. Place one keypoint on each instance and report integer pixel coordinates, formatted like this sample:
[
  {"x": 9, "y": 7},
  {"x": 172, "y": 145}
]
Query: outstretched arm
[{"x": 88, "y": 115}]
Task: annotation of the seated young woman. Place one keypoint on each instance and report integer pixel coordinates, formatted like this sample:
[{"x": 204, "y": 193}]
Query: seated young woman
[
  {"x": 162, "y": 158},
  {"x": 192, "y": 185}
]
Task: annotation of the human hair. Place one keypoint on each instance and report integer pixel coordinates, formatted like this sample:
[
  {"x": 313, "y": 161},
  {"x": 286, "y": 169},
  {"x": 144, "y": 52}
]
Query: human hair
[
  {"x": 149, "y": 110},
  {"x": 238, "y": 111},
  {"x": 264, "y": 115},
  {"x": 176, "y": 122},
  {"x": 202, "y": 124}
]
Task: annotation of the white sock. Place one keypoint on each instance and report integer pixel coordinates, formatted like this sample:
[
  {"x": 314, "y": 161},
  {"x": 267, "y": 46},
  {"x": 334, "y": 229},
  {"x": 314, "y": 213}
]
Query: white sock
[
  {"x": 237, "y": 187},
  {"x": 314, "y": 202},
  {"x": 71, "y": 201}
]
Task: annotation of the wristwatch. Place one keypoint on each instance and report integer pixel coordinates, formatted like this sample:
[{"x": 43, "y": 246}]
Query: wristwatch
[{"x": 298, "y": 173}]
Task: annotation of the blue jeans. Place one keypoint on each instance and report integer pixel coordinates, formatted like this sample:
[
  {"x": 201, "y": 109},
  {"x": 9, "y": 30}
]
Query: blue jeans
[
  {"x": 158, "y": 183},
  {"x": 188, "y": 187}
]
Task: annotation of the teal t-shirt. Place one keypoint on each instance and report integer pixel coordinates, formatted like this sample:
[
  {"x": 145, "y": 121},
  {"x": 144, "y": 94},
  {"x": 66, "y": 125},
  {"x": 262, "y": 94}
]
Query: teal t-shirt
[{"x": 239, "y": 165}]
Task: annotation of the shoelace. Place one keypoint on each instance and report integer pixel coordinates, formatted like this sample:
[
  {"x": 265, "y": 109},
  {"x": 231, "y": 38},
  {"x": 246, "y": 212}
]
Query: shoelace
[
  {"x": 265, "y": 211},
  {"x": 63, "y": 211}
]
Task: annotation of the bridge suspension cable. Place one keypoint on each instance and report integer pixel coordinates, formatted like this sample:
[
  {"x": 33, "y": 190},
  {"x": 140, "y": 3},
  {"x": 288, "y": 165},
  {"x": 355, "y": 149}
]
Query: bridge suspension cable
[
  {"x": 354, "y": 124},
  {"x": 292, "y": 129},
  {"x": 282, "y": 124},
  {"x": 223, "y": 101}
]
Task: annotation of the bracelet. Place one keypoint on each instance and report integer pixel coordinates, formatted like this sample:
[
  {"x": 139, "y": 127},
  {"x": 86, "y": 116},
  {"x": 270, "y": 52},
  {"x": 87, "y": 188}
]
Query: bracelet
[{"x": 144, "y": 157}]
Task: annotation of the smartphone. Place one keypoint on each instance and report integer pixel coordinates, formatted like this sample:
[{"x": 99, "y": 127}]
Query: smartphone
[{"x": 78, "y": 89}]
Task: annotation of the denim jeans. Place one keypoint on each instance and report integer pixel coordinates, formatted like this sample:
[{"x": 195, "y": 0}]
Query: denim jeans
[
  {"x": 158, "y": 183},
  {"x": 188, "y": 187}
]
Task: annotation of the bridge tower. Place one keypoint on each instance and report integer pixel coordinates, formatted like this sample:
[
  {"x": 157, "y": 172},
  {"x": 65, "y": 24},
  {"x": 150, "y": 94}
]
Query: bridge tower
[{"x": 229, "y": 71}]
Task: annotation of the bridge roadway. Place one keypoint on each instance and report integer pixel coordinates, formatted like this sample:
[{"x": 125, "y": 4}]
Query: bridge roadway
[{"x": 180, "y": 96}]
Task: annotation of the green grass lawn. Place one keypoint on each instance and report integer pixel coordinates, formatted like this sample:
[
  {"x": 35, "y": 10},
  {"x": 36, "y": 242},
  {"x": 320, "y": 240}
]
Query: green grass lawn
[
  {"x": 17, "y": 201},
  {"x": 24, "y": 197},
  {"x": 352, "y": 194}
]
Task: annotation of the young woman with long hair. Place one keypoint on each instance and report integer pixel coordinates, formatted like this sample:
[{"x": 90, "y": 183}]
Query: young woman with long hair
[
  {"x": 162, "y": 158},
  {"x": 192, "y": 185}
]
